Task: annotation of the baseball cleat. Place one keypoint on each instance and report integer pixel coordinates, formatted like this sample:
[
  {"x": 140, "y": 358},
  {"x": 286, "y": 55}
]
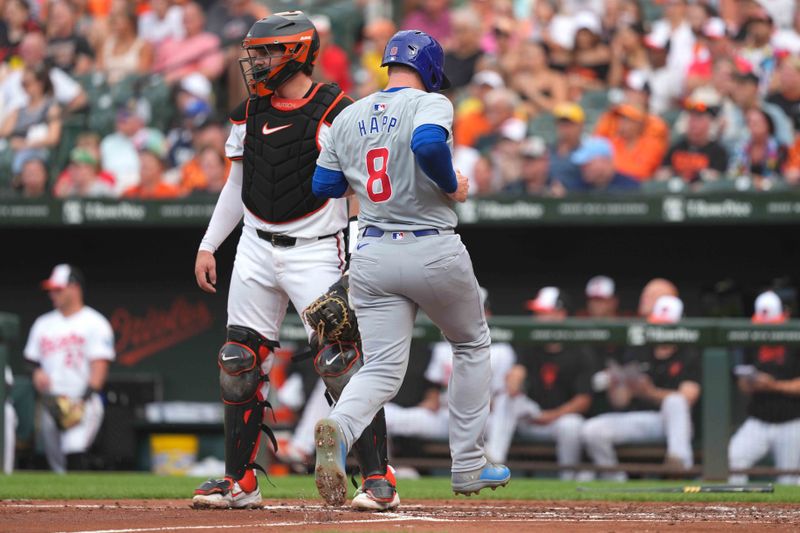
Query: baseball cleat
[
  {"x": 225, "y": 494},
  {"x": 489, "y": 476},
  {"x": 377, "y": 493},
  {"x": 330, "y": 473}
]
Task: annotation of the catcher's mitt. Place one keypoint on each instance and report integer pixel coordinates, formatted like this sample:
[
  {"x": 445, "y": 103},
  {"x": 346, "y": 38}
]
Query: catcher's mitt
[
  {"x": 66, "y": 411},
  {"x": 330, "y": 315}
]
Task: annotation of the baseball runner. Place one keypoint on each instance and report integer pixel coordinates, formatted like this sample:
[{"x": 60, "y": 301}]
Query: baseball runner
[
  {"x": 771, "y": 377},
  {"x": 430, "y": 419},
  {"x": 393, "y": 150},
  {"x": 291, "y": 247},
  {"x": 653, "y": 393},
  {"x": 546, "y": 395},
  {"x": 71, "y": 349}
]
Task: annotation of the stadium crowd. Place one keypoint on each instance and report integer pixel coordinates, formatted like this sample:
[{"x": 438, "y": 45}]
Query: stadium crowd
[{"x": 129, "y": 98}]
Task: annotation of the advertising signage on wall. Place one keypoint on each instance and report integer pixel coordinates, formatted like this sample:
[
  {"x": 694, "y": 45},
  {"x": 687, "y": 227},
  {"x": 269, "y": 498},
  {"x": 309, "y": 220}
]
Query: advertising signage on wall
[{"x": 733, "y": 208}]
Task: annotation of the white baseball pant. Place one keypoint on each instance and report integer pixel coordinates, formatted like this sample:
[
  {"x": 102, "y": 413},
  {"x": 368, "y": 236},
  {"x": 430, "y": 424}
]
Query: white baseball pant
[
  {"x": 755, "y": 438},
  {"x": 10, "y": 432},
  {"x": 672, "y": 423},
  {"x": 77, "y": 439},
  {"x": 512, "y": 414}
]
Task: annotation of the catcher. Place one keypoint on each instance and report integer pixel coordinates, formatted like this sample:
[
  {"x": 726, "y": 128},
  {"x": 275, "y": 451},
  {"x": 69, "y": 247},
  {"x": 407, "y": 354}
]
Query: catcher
[
  {"x": 290, "y": 247},
  {"x": 337, "y": 342}
]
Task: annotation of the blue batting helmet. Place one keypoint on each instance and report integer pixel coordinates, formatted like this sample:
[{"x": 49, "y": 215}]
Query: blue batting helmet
[{"x": 421, "y": 52}]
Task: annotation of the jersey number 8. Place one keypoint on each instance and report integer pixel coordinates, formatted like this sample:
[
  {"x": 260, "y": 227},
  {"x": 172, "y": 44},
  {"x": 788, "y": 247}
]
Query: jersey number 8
[{"x": 379, "y": 187}]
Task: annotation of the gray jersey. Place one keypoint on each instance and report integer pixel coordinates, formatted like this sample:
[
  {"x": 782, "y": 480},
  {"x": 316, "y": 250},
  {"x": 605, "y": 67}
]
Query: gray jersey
[{"x": 370, "y": 143}]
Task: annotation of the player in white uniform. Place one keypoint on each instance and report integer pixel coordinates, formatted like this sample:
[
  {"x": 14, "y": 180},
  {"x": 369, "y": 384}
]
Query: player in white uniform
[
  {"x": 653, "y": 395},
  {"x": 292, "y": 243},
  {"x": 771, "y": 379},
  {"x": 10, "y": 432},
  {"x": 71, "y": 349},
  {"x": 393, "y": 148},
  {"x": 430, "y": 419}
]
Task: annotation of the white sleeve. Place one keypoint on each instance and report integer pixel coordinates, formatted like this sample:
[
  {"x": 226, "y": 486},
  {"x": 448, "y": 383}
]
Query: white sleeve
[
  {"x": 32, "y": 352},
  {"x": 228, "y": 211},
  {"x": 327, "y": 149},
  {"x": 66, "y": 88},
  {"x": 234, "y": 146},
  {"x": 434, "y": 108},
  {"x": 101, "y": 341}
]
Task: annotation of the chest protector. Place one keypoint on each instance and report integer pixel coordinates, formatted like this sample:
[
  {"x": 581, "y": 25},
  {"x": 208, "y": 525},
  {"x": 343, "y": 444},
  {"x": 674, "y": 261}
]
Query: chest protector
[{"x": 280, "y": 155}]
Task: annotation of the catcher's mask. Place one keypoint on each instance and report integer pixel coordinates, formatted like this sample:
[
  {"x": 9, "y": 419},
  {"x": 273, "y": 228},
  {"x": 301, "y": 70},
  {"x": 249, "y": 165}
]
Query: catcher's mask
[{"x": 277, "y": 48}]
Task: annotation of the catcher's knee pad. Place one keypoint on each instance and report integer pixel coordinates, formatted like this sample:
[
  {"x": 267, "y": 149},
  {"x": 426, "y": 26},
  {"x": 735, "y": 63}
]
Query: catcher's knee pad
[
  {"x": 336, "y": 364},
  {"x": 240, "y": 377}
]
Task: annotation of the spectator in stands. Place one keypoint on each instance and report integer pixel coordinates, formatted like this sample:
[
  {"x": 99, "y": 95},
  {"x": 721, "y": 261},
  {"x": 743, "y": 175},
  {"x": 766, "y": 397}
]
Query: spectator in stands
[
  {"x": 193, "y": 173},
  {"x": 639, "y": 139},
  {"x": 761, "y": 156},
  {"x": 601, "y": 298},
  {"x": 462, "y": 55},
  {"x": 787, "y": 95},
  {"x": 652, "y": 395},
  {"x": 696, "y": 157},
  {"x": 713, "y": 43},
  {"x": 746, "y": 96},
  {"x": 756, "y": 47},
  {"x": 482, "y": 182},
  {"x": 591, "y": 57},
  {"x": 534, "y": 177},
  {"x": 628, "y": 53},
  {"x": 33, "y": 50},
  {"x": 500, "y": 111},
  {"x": 432, "y": 17},
  {"x": 199, "y": 50},
  {"x": 546, "y": 394},
  {"x": 595, "y": 157},
  {"x": 16, "y": 22},
  {"x": 471, "y": 120},
  {"x": 194, "y": 107},
  {"x": 332, "y": 65},
  {"x": 540, "y": 87},
  {"x": 212, "y": 171},
  {"x": 770, "y": 378},
  {"x": 35, "y": 129},
  {"x": 376, "y": 34},
  {"x": 569, "y": 130},
  {"x": 123, "y": 52},
  {"x": 66, "y": 48},
  {"x": 230, "y": 20},
  {"x": 152, "y": 151},
  {"x": 118, "y": 153},
  {"x": 666, "y": 85},
  {"x": 83, "y": 179},
  {"x": 32, "y": 180},
  {"x": 164, "y": 20},
  {"x": 674, "y": 28}
]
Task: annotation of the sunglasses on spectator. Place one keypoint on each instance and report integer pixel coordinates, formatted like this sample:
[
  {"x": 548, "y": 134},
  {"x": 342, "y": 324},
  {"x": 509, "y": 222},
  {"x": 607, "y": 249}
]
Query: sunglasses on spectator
[{"x": 700, "y": 107}]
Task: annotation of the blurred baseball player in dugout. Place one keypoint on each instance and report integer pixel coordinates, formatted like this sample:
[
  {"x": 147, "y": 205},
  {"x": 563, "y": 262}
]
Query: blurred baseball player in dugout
[{"x": 71, "y": 349}]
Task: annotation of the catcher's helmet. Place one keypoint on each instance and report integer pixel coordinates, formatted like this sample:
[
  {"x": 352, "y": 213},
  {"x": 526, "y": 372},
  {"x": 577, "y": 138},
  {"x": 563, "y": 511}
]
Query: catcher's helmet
[
  {"x": 278, "y": 47},
  {"x": 421, "y": 52}
]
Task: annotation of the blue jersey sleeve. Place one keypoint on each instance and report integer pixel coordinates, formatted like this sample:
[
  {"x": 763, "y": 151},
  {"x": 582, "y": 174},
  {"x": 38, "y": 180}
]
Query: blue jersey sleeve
[
  {"x": 429, "y": 144},
  {"x": 328, "y": 183}
]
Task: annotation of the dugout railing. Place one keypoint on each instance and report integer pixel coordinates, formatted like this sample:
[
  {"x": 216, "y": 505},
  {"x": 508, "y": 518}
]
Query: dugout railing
[
  {"x": 9, "y": 332},
  {"x": 716, "y": 338}
]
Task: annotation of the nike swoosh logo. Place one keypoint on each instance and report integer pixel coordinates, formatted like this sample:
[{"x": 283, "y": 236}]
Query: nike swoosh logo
[
  {"x": 229, "y": 358},
  {"x": 332, "y": 359},
  {"x": 267, "y": 130},
  {"x": 361, "y": 245}
]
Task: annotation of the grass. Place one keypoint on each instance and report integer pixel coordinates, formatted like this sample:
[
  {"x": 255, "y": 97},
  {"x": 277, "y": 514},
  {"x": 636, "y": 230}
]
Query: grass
[{"x": 114, "y": 486}]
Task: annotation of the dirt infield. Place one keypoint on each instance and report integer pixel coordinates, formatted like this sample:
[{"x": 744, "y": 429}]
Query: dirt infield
[{"x": 463, "y": 516}]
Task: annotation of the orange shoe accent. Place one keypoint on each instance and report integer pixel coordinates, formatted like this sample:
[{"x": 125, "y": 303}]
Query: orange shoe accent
[{"x": 249, "y": 482}]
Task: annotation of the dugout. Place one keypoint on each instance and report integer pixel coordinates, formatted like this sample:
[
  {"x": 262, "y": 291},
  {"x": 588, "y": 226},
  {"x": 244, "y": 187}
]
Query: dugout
[{"x": 720, "y": 250}]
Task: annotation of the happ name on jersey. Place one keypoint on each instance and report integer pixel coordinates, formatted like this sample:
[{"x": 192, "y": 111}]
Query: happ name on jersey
[{"x": 385, "y": 125}]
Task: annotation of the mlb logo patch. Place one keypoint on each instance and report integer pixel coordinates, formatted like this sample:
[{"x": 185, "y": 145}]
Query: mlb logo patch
[
  {"x": 398, "y": 235},
  {"x": 379, "y": 108}
]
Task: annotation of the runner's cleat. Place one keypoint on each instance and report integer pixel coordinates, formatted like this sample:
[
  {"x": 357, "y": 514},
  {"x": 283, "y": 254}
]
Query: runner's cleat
[
  {"x": 490, "y": 476},
  {"x": 225, "y": 494},
  {"x": 330, "y": 473}
]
